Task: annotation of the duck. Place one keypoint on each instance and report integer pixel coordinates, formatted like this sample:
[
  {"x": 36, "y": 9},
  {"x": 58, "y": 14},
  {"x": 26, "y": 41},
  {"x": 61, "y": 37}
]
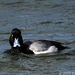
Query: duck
[{"x": 33, "y": 46}]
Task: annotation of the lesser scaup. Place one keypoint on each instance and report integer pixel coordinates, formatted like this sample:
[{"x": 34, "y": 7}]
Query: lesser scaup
[{"x": 32, "y": 47}]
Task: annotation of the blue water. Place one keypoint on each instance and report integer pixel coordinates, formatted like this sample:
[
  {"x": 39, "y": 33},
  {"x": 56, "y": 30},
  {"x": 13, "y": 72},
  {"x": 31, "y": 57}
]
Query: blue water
[{"x": 38, "y": 19}]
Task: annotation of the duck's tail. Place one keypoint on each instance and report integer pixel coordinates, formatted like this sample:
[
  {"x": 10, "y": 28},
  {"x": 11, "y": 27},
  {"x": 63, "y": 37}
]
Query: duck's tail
[{"x": 66, "y": 47}]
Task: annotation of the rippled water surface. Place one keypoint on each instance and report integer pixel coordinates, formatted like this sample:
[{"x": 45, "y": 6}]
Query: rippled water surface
[{"x": 38, "y": 19}]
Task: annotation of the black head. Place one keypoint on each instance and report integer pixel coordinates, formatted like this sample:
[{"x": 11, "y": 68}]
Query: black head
[{"x": 16, "y": 40}]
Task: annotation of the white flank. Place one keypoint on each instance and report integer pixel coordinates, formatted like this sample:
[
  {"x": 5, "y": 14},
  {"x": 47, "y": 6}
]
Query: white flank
[
  {"x": 37, "y": 47},
  {"x": 50, "y": 49},
  {"x": 16, "y": 43}
]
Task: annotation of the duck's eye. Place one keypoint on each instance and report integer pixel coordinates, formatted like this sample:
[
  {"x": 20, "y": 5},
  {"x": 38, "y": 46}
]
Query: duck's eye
[{"x": 12, "y": 35}]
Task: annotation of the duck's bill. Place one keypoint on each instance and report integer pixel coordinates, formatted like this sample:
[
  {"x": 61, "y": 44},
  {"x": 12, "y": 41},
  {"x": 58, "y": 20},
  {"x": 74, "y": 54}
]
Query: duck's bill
[{"x": 16, "y": 43}]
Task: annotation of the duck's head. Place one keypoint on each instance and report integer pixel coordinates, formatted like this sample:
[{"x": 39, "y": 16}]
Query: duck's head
[{"x": 15, "y": 39}]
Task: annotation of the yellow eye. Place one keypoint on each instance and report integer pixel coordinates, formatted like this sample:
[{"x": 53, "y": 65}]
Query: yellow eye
[{"x": 12, "y": 35}]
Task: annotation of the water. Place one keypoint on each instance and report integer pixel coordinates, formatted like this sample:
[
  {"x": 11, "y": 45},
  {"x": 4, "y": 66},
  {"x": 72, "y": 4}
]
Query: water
[{"x": 38, "y": 19}]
